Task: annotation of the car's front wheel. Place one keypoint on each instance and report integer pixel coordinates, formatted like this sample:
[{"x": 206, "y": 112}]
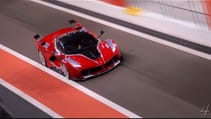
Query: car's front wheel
[
  {"x": 65, "y": 71},
  {"x": 42, "y": 58}
]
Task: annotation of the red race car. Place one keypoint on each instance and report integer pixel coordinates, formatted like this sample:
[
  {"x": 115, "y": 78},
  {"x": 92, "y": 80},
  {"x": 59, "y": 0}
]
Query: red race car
[{"x": 77, "y": 53}]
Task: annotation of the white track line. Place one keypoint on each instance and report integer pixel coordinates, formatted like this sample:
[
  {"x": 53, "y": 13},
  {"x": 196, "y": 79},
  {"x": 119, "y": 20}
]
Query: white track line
[
  {"x": 30, "y": 99},
  {"x": 128, "y": 30},
  {"x": 71, "y": 83}
]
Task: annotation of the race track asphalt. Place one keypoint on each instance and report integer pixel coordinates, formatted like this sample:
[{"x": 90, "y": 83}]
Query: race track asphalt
[
  {"x": 153, "y": 81},
  {"x": 12, "y": 106}
]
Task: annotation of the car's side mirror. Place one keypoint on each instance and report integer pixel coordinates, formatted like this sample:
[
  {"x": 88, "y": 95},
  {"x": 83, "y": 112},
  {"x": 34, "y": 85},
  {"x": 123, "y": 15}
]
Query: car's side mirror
[
  {"x": 101, "y": 33},
  {"x": 53, "y": 58}
]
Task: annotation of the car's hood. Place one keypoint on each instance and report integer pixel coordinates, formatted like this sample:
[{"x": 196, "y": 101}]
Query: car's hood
[{"x": 105, "y": 55}]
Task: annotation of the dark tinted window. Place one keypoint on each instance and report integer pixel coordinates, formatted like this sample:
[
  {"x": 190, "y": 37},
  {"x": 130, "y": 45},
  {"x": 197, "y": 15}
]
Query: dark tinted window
[{"x": 76, "y": 42}]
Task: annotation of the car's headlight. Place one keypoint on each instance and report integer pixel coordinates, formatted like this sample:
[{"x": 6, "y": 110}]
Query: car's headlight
[
  {"x": 111, "y": 44},
  {"x": 73, "y": 62}
]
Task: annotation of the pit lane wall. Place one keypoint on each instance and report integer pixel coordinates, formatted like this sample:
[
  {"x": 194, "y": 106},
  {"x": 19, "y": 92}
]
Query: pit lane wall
[
  {"x": 186, "y": 19},
  {"x": 197, "y": 12}
]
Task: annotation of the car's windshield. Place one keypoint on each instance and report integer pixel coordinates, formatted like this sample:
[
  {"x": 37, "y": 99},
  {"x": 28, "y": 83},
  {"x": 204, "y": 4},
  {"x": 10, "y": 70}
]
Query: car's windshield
[{"x": 76, "y": 42}]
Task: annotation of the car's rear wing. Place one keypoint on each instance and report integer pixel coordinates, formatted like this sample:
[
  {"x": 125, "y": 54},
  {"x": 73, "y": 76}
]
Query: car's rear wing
[
  {"x": 74, "y": 24},
  {"x": 72, "y": 21},
  {"x": 37, "y": 37}
]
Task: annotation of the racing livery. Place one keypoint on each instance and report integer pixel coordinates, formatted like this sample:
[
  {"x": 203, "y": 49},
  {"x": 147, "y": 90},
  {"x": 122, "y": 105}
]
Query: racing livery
[{"x": 77, "y": 53}]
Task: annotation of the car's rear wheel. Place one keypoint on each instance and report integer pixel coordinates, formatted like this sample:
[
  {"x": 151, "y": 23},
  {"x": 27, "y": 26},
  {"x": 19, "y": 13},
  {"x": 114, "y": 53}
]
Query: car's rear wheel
[
  {"x": 42, "y": 58},
  {"x": 65, "y": 71}
]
